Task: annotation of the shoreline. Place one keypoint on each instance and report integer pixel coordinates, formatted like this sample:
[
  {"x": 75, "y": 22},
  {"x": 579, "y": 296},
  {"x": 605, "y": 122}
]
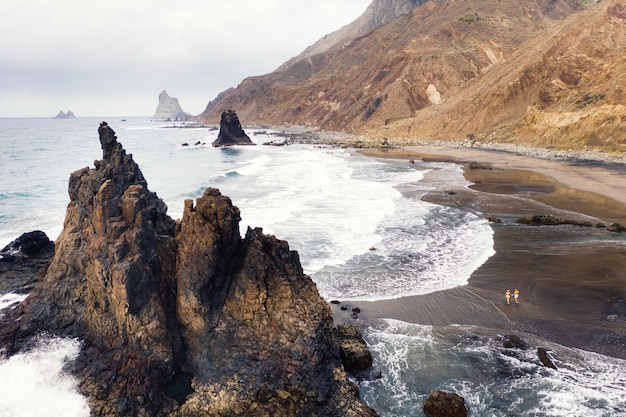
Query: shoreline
[{"x": 573, "y": 287}]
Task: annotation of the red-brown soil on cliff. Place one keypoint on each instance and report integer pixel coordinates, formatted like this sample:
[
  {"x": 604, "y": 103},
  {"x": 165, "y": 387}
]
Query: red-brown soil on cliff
[{"x": 546, "y": 73}]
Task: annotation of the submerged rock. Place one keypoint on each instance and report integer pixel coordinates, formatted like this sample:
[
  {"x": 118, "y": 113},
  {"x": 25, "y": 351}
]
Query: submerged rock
[
  {"x": 231, "y": 132},
  {"x": 181, "y": 318}
]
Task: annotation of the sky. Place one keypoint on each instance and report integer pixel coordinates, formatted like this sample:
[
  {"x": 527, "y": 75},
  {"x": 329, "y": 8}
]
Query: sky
[{"x": 113, "y": 57}]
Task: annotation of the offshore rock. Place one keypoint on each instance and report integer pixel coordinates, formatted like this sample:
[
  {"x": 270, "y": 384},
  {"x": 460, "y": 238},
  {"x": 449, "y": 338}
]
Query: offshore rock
[
  {"x": 180, "y": 318},
  {"x": 231, "y": 132},
  {"x": 445, "y": 404},
  {"x": 62, "y": 115},
  {"x": 169, "y": 108}
]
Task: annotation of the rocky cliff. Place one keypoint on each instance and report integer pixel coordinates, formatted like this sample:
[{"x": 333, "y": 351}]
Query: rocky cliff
[
  {"x": 169, "y": 108},
  {"x": 546, "y": 73},
  {"x": 181, "y": 318},
  {"x": 378, "y": 13}
]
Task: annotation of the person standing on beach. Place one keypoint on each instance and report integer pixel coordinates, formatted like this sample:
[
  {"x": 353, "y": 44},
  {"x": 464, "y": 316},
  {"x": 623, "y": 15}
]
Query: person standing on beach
[
  {"x": 516, "y": 295},
  {"x": 507, "y": 294}
]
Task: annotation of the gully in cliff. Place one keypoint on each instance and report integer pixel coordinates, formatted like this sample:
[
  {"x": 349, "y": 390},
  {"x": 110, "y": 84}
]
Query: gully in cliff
[{"x": 180, "y": 318}]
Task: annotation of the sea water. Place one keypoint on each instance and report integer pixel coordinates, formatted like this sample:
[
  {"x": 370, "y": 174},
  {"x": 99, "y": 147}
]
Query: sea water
[{"x": 362, "y": 233}]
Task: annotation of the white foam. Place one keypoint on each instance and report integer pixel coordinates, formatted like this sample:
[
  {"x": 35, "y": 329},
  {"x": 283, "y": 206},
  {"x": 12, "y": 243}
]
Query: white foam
[
  {"x": 315, "y": 200},
  {"x": 423, "y": 248},
  {"x": 11, "y": 300},
  {"x": 33, "y": 384},
  {"x": 415, "y": 360}
]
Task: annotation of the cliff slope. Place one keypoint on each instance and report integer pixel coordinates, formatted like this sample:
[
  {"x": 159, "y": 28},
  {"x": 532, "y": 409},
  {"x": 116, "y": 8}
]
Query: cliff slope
[
  {"x": 181, "y": 318},
  {"x": 547, "y": 73}
]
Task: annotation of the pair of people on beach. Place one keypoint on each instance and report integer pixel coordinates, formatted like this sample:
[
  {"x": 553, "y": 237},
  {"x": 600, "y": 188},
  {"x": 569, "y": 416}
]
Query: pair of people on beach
[{"x": 507, "y": 294}]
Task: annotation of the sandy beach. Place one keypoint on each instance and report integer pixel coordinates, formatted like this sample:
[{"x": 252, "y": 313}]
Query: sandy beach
[{"x": 572, "y": 279}]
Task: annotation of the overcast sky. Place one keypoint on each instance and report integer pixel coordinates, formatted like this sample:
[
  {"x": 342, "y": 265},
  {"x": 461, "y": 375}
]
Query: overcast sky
[{"x": 114, "y": 57}]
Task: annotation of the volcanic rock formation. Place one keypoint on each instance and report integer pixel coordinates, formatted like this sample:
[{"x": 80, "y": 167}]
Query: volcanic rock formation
[
  {"x": 231, "y": 132},
  {"x": 181, "y": 318},
  {"x": 168, "y": 108},
  {"x": 21, "y": 261}
]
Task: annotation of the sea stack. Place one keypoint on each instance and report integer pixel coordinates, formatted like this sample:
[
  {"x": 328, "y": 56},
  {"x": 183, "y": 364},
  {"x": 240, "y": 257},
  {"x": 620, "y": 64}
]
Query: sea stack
[
  {"x": 231, "y": 132},
  {"x": 169, "y": 108},
  {"x": 180, "y": 318},
  {"x": 62, "y": 115}
]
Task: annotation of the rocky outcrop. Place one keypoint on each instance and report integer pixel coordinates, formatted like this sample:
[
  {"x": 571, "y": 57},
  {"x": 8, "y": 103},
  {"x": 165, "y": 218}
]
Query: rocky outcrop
[
  {"x": 231, "y": 132},
  {"x": 21, "y": 261},
  {"x": 169, "y": 108},
  {"x": 616, "y": 227},
  {"x": 377, "y": 14},
  {"x": 62, "y": 115},
  {"x": 445, "y": 404},
  {"x": 545, "y": 359},
  {"x": 356, "y": 356},
  {"x": 181, "y": 318},
  {"x": 550, "y": 220}
]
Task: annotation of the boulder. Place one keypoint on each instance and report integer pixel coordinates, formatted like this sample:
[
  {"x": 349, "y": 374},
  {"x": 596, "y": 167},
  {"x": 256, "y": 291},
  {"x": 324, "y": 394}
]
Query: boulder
[
  {"x": 545, "y": 359},
  {"x": 180, "y": 318},
  {"x": 231, "y": 132},
  {"x": 512, "y": 341},
  {"x": 355, "y": 354},
  {"x": 616, "y": 227},
  {"x": 30, "y": 244},
  {"x": 445, "y": 404}
]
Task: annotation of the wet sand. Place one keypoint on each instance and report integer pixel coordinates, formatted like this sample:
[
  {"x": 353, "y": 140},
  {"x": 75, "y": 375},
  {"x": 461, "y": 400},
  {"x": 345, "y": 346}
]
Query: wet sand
[{"x": 572, "y": 279}]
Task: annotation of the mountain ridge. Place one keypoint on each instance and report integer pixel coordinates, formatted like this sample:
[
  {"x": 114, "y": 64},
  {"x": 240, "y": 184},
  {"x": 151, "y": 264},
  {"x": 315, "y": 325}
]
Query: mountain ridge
[{"x": 541, "y": 73}]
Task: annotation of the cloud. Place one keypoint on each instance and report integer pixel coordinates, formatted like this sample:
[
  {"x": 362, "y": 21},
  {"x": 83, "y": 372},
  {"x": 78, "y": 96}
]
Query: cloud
[{"x": 114, "y": 57}]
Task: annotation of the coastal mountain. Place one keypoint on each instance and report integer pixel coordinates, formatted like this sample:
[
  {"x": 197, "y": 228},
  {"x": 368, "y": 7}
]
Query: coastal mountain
[
  {"x": 62, "y": 115},
  {"x": 169, "y": 108},
  {"x": 545, "y": 73},
  {"x": 180, "y": 318},
  {"x": 378, "y": 13}
]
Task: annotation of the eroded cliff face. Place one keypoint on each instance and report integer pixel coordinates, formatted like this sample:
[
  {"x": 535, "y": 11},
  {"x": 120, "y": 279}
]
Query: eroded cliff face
[{"x": 181, "y": 318}]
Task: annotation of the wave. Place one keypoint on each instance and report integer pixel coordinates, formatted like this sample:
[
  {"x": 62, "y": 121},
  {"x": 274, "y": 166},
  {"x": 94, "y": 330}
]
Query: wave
[
  {"x": 11, "y": 300},
  {"x": 422, "y": 248},
  {"x": 33, "y": 384},
  {"x": 415, "y": 360}
]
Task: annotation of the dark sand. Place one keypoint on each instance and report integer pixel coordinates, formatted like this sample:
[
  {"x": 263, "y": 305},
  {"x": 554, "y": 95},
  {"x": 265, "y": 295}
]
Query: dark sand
[{"x": 572, "y": 279}]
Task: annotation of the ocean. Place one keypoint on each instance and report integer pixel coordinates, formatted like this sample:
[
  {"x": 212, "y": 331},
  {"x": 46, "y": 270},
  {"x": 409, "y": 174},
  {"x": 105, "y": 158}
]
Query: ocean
[{"x": 362, "y": 233}]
